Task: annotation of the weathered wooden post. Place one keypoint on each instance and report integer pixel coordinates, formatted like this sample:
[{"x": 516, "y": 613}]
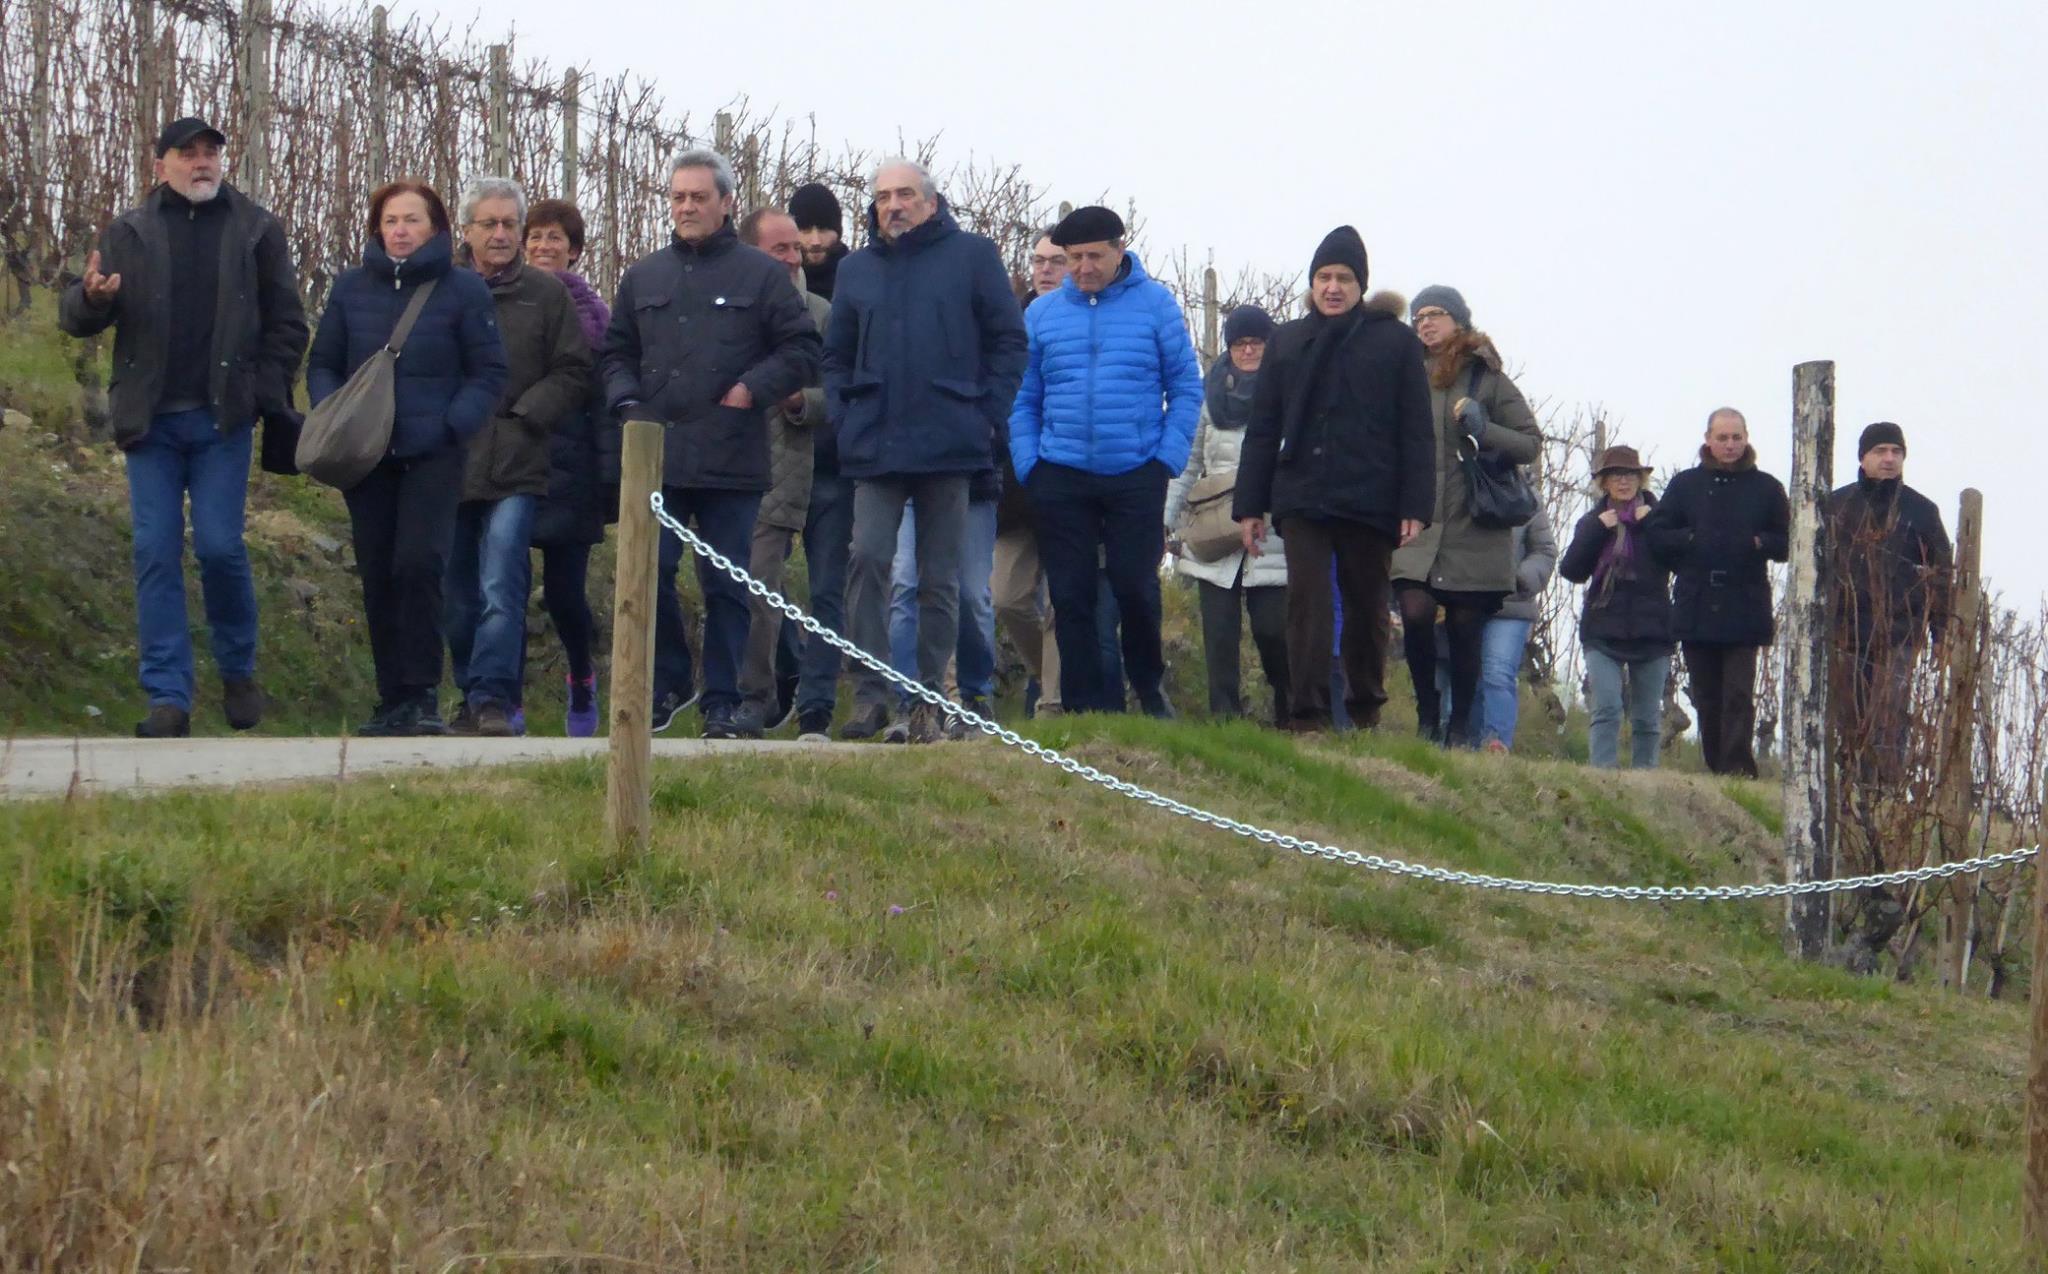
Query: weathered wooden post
[
  {"x": 1952, "y": 800},
  {"x": 722, "y": 137},
  {"x": 2034, "y": 1192},
  {"x": 1210, "y": 347},
  {"x": 628, "y": 816},
  {"x": 147, "y": 90},
  {"x": 252, "y": 174},
  {"x": 1809, "y": 849},
  {"x": 570, "y": 123},
  {"x": 501, "y": 110},
  {"x": 752, "y": 165},
  {"x": 380, "y": 95}
]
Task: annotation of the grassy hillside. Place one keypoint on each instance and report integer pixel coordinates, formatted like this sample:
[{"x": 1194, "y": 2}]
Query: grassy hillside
[{"x": 947, "y": 1009}]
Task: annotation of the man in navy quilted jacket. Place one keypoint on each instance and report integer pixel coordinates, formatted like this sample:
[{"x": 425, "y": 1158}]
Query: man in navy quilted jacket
[{"x": 1103, "y": 421}]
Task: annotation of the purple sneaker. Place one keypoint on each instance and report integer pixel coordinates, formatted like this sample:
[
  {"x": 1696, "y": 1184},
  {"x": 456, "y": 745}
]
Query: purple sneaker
[{"x": 583, "y": 707}]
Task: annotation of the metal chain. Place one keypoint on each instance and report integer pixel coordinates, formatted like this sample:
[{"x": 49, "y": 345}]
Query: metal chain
[{"x": 1310, "y": 848}]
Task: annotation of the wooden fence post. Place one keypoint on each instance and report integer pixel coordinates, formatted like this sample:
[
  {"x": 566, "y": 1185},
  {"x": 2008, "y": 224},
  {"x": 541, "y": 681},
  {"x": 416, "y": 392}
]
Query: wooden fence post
[
  {"x": 752, "y": 181},
  {"x": 501, "y": 111},
  {"x": 1959, "y": 736},
  {"x": 570, "y": 123},
  {"x": 146, "y": 94},
  {"x": 253, "y": 173},
  {"x": 380, "y": 95},
  {"x": 722, "y": 137},
  {"x": 2034, "y": 1192},
  {"x": 628, "y": 816},
  {"x": 1210, "y": 348},
  {"x": 1809, "y": 848}
]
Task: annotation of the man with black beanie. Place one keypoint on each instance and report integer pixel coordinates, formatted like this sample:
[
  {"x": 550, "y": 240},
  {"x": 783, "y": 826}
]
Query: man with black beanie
[
  {"x": 1892, "y": 566},
  {"x": 821, "y": 229},
  {"x": 1341, "y": 455},
  {"x": 208, "y": 334}
]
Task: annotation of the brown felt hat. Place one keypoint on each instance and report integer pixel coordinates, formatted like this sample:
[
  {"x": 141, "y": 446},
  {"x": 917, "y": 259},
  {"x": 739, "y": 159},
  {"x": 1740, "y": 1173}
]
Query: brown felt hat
[{"x": 1620, "y": 460}]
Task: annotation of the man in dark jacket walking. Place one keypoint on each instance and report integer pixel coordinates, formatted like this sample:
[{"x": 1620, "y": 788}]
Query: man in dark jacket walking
[
  {"x": 706, "y": 334},
  {"x": 198, "y": 285},
  {"x": 1719, "y": 527},
  {"x": 1892, "y": 565},
  {"x": 921, "y": 363},
  {"x": 506, "y": 474},
  {"x": 1341, "y": 455}
]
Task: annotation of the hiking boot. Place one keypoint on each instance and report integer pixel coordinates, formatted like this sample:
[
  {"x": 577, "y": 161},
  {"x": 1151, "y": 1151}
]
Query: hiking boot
[
  {"x": 165, "y": 721},
  {"x": 958, "y": 727},
  {"x": 581, "y": 722},
  {"x": 927, "y": 723},
  {"x": 667, "y": 707},
  {"x": 814, "y": 726},
  {"x": 242, "y": 700},
  {"x": 866, "y": 723},
  {"x": 722, "y": 723},
  {"x": 426, "y": 719},
  {"x": 493, "y": 721},
  {"x": 379, "y": 724},
  {"x": 746, "y": 722},
  {"x": 899, "y": 729},
  {"x": 463, "y": 723}
]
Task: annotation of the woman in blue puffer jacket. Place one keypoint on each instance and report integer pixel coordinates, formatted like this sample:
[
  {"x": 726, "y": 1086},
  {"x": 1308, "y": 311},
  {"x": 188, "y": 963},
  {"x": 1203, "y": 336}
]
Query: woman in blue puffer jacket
[{"x": 449, "y": 375}]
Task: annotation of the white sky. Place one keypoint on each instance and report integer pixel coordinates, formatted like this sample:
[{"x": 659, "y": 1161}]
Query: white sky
[{"x": 1657, "y": 207}]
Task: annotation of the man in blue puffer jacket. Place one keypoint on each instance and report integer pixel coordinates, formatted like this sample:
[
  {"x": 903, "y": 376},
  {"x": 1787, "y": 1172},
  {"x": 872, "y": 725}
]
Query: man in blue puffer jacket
[{"x": 1103, "y": 420}]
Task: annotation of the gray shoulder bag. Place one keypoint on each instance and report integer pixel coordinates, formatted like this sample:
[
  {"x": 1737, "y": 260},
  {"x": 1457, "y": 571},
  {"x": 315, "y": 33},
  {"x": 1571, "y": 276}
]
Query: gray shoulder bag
[{"x": 350, "y": 431}]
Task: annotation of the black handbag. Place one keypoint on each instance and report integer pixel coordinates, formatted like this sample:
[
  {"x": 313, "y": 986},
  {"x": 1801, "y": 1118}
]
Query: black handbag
[{"x": 1500, "y": 496}]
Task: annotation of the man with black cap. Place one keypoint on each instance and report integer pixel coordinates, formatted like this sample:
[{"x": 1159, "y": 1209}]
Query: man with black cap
[
  {"x": 208, "y": 334},
  {"x": 921, "y": 361},
  {"x": 1892, "y": 563},
  {"x": 1340, "y": 455},
  {"x": 1104, "y": 420},
  {"x": 820, "y": 228}
]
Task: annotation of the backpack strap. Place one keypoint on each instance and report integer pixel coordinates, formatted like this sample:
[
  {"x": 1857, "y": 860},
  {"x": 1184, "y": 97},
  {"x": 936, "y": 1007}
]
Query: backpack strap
[{"x": 411, "y": 316}]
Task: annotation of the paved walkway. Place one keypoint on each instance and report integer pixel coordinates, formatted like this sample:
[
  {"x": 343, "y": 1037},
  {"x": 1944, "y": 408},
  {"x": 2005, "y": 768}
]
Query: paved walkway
[{"x": 53, "y": 767}]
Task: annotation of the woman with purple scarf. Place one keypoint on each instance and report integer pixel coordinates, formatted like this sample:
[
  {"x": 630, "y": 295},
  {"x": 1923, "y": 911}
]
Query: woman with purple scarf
[
  {"x": 1626, "y": 624},
  {"x": 571, "y": 520}
]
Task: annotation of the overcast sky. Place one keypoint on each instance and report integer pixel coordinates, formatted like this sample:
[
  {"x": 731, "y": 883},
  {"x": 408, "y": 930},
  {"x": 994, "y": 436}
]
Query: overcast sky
[{"x": 1655, "y": 207}]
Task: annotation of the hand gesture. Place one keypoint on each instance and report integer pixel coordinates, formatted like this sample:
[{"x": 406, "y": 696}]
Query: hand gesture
[
  {"x": 100, "y": 289},
  {"x": 1252, "y": 534},
  {"x": 1609, "y": 519},
  {"x": 738, "y": 396}
]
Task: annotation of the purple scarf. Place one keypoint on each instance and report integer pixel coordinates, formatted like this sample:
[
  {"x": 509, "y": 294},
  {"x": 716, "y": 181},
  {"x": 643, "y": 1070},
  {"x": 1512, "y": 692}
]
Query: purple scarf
[
  {"x": 591, "y": 311},
  {"x": 1618, "y": 557}
]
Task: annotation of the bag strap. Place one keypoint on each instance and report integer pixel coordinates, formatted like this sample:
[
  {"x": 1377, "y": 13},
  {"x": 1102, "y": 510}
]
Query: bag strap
[
  {"x": 1472, "y": 382},
  {"x": 411, "y": 316}
]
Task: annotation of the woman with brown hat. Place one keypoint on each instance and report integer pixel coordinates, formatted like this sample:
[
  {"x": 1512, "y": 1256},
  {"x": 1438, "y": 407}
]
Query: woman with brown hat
[{"x": 1626, "y": 624}]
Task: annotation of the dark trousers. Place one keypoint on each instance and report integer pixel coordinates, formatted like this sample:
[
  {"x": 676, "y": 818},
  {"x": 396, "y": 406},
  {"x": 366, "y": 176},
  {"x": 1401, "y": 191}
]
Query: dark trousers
[
  {"x": 828, "y": 543},
  {"x": 1223, "y": 611},
  {"x": 565, "y": 592},
  {"x": 725, "y": 521},
  {"x": 1465, "y": 639},
  {"x": 1722, "y": 682},
  {"x": 403, "y": 519},
  {"x": 1361, "y": 555},
  {"x": 1089, "y": 524}
]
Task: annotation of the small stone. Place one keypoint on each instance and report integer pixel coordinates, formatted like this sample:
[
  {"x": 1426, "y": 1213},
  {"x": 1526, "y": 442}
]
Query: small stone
[
  {"x": 91, "y": 711},
  {"x": 326, "y": 544},
  {"x": 12, "y": 419},
  {"x": 303, "y": 591}
]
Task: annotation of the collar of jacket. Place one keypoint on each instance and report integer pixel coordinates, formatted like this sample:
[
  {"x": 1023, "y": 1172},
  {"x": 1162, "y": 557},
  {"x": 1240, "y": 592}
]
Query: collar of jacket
[
  {"x": 170, "y": 200},
  {"x": 717, "y": 243},
  {"x": 161, "y": 196},
  {"x": 1878, "y": 490},
  {"x": 434, "y": 259},
  {"x": 1128, "y": 276},
  {"x": 918, "y": 237},
  {"x": 507, "y": 278},
  {"x": 1743, "y": 464}
]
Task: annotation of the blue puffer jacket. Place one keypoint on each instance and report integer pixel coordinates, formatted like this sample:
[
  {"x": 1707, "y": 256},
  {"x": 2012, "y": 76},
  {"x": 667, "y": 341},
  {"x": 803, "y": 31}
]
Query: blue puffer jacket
[
  {"x": 1111, "y": 381},
  {"x": 923, "y": 353},
  {"x": 453, "y": 366}
]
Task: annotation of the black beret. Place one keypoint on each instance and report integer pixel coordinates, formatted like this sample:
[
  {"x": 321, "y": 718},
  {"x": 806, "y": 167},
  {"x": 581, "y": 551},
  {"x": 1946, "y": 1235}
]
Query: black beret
[{"x": 1094, "y": 224}]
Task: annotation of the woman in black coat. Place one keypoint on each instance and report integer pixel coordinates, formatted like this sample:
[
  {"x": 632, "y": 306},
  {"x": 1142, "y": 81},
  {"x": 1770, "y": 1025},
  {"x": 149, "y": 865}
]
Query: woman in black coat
[{"x": 1626, "y": 624}]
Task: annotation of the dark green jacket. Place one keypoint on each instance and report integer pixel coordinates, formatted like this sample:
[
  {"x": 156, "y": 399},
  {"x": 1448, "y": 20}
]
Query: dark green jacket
[{"x": 548, "y": 384}]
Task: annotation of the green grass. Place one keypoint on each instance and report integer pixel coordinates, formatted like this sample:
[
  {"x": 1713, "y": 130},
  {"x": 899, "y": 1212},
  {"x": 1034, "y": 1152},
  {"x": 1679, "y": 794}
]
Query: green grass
[{"x": 952, "y": 1009}]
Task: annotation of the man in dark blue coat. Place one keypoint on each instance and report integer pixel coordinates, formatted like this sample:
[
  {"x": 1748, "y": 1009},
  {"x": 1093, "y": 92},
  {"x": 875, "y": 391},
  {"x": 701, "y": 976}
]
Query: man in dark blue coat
[
  {"x": 922, "y": 361},
  {"x": 706, "y": 335},
  {"x": 1719, "y": 527}
]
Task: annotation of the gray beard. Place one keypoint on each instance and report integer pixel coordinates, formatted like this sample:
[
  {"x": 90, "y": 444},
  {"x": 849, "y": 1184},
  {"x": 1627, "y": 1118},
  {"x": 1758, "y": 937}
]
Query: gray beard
[{"x": 200, "y": 195}]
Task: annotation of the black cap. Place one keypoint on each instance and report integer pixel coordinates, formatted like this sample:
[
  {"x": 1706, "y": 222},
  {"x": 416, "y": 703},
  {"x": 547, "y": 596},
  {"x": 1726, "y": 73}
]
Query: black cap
[
  {"x": 814, "y": 207},
  {"x": 1341, "y": 246},
  {"x": 1093, "y": 224},
  {"x": 181, "y": 132},
  {"x": 1877, "y": 435}
]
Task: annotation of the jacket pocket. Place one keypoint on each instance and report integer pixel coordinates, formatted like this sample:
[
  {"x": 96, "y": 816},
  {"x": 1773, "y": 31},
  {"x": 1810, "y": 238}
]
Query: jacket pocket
[{"x": 967, "y": 391}]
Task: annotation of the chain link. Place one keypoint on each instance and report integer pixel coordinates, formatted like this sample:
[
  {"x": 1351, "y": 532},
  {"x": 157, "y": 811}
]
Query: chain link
[{"x": 1310, "y": 848}]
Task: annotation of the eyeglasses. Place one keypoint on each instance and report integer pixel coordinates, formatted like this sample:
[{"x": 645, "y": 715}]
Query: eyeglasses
[
  {"x": 496, "y": 223},
  {"x": 1248, "y": 342},
  {"x": 1430, "y": 314},
  {"x": 1047, "y": 263}
]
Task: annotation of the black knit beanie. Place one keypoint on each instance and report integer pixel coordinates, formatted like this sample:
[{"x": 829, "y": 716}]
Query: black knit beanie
[
  {"x": 1247, "y": 321},
  {"x": 1341, "y": 246},
  {"x": 816, "y": 208},
  {"x": 1884, "y": 431}
]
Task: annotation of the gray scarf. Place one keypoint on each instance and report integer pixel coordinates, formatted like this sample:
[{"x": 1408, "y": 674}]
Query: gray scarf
[{"x": 1228, "y": 392}]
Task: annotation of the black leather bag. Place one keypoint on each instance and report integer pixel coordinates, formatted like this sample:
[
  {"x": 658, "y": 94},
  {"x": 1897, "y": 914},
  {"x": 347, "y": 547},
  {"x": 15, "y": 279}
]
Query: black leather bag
[{"x": 1500, "y": 496}]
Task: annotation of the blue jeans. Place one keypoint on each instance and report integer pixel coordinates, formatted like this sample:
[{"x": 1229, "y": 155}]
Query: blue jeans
[
  {"x": 1500, "y": 671},
  {"x": 975, "y": 654},
  {"x": 184, "y": 453},
  {"x": 1644, "y": 702},
  {"x": 828, "y": 540},
  {"x": 725, "y": 521},
  {"x": 484, "y": 614}
]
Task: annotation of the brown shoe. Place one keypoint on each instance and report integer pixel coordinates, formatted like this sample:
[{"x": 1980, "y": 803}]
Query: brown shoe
[{"x": 925, "y": 726}]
